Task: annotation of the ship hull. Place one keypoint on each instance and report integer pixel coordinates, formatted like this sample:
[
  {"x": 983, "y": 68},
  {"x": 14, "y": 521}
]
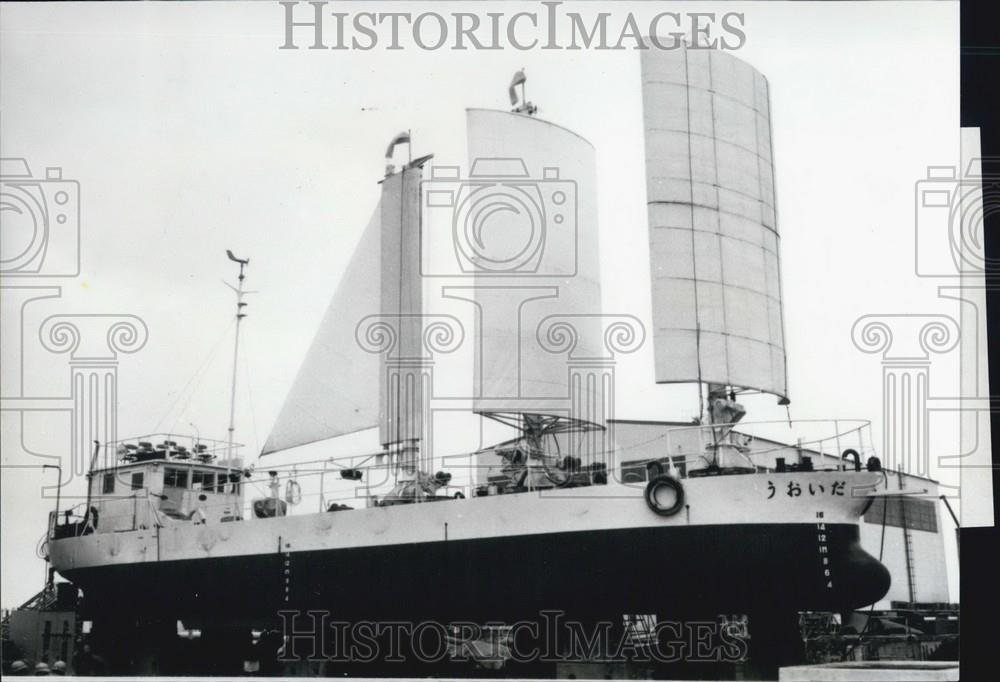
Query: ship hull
[
  {"x": 684, "y": 571},
  {"x": 740, "y": 544}
]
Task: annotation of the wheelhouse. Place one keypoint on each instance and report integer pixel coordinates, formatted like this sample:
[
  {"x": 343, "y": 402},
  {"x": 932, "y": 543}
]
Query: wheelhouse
[{"x": 155, "y": 481}]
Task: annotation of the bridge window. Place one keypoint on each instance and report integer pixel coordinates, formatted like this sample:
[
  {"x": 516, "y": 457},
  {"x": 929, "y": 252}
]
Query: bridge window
[
  {"x": 109, "y": 484},
  {"x": 137, "y": 481},
  {"x": 208, "y": 481},
  {"x": 174, "y": 478}
]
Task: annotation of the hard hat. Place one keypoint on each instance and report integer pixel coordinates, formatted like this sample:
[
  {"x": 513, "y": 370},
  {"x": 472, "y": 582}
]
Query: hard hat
[
  {"x": 41, "y": 667},
  {"x": 59, "y": 665},
  {"x": 18, "y": 666}
]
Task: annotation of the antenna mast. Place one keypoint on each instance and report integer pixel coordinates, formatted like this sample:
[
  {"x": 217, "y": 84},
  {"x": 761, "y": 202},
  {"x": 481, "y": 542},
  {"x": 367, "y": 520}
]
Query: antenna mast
[{"x": 238, "y": 290}]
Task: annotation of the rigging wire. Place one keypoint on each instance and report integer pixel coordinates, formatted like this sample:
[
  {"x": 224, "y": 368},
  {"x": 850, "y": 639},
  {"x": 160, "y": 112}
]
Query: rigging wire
[
  {"x": 246, "y": 372},
  {"x": 198, "y": 375}
]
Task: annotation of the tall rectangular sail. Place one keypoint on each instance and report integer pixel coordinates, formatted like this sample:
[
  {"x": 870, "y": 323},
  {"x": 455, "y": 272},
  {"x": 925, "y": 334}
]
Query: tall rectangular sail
[
  {"x": 713, "y": 235},
  {"x": 525, "y": 228},
  {"x": 401, "y": 377}
]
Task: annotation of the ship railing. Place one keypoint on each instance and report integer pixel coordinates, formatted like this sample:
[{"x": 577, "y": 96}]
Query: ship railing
[
  {"x": 357, "y": 481},
  {"x": 830, "y": 443},
  {"x": 75, "y": 521},
  {"x": 68, "y": 523},
  {"x": 374, "y": 480},
  {"x": 165, "y": 445},
  {"x": 362, "y": 480},
  {"x": 350, "y": 480}
]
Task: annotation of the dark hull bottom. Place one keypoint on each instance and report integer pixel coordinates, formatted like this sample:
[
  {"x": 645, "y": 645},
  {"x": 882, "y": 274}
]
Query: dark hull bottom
[{"x": 679, "y": 571}]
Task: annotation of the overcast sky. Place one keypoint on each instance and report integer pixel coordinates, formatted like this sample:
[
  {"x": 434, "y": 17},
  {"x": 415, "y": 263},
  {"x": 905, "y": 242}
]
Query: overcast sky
[{"x": 191, "y": 133}]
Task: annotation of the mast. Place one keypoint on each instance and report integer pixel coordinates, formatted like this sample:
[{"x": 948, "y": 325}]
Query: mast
[
  {"x": 393, "y": 304},
  {"x": 713, "y": 233},
  {"x": 367, "y": 367},
  {"x": 240, "y": 304},
  {"x": 530, "y": 242},
  {"x": 403, "y": 378}
]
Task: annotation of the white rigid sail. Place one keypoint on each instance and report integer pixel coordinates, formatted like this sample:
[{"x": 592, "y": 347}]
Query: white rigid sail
[
  {"x": 713, "y": 235},
  {"x": 526, "y": 229}
]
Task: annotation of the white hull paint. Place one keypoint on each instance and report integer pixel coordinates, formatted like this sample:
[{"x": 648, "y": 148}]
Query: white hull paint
[{"x": 710, "y": 501}]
